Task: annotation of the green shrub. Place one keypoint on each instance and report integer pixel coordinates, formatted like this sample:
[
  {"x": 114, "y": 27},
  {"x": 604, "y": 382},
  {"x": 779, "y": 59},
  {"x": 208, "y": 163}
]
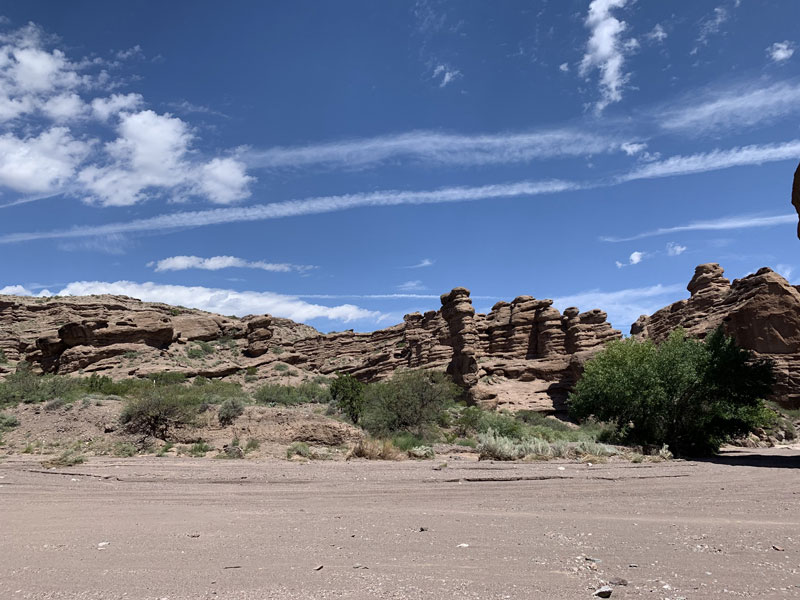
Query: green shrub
[
  {"x": 299, "y": 449},
  {"x": 347, "y": 393},
  {"x": 8, "y": 422},
  {"x": 68, "y": 458},
  {"x": 229, "y": 411},
  {"x": 410, "y": 401},
  {"x": 3, "y": 358},
  {"x": 405, "y": 441},
  {"x": 199, "y": 449},
  {"x": 124, "y": 449},
  {"x": 252, "y": 444},
  {"x": 165, "y": 378},
  {"x": 281, "y": 367},
  {"x": 306, "y": 392},
  {"x": 157, "y": 413},
  {"x": 26, "y": 386},
  {"x": 690, "y": 395},
  {"x": 492, "y": 445}
]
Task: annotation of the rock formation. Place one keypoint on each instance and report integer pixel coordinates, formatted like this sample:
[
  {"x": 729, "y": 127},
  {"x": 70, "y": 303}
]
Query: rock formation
[
  {"x": 761, "y": 311},
  {"x": 523, "y": 354}
]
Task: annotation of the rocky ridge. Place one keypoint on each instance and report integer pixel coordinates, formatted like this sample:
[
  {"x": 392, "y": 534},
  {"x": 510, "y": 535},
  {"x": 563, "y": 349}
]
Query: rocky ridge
[
  {"x": 523, "y": 354},
  {"x": 761, "y": 311}
]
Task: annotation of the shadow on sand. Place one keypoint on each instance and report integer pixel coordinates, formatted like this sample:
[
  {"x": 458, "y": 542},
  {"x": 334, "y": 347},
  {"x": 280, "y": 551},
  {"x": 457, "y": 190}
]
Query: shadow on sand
[{"x": 772, "y": 458}]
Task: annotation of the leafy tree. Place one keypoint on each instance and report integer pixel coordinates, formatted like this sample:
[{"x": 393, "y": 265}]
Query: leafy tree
[
  {"x": 157, "y": 413},
  {"x": 347, "y": 393},
  {"x": 691, "y": 395}
]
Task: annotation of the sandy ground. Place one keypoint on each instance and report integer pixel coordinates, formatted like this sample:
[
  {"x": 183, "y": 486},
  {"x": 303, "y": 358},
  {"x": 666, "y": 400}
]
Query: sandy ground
[{"x": 150, "y": 528}]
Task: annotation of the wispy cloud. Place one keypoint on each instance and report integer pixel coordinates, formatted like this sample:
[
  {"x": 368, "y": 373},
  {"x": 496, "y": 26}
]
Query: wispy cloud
[
  {"x": 428, "y": 147},
  {"x": 215, "y": 263},
  {"x": 781, "y": 51},
  {"x": 715, "y": 160},
  {"x": 606, "y": 50},
  {"x": 296, "y": 208},
  {"x": 721, "y": 224},
  {"x": 733, "y": 107},
  {"x": 425, "y": 262},
  {"x": 658, "y": 34},
  {"x": 624, "y": 306},
  {"x": 712, "y": 24},
  {"x": 412, "y": 286},
  {"x": 221, "y": 301},
  {"x": 675, "y": 249},
  {"x": 446, "y": 75}
]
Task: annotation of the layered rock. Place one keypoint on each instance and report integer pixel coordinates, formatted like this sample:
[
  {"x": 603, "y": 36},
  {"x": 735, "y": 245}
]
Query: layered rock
[
  {"x": 761, "y": 311},
  {"x": 524, "y": 354}
]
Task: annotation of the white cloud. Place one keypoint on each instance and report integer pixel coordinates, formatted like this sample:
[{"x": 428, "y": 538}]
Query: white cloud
[
  {"x": 412, "y": 286},
  {"x": 658, "y": 34},
  {"x": 309, "y": 206},
  {"x": 428, "y": 147},
  {"x": 721, "y": 224},
  {"x": 40, "y": 164},
  {"x": 104, "y": 108},
  {"x": 15, "y": 290},
  {"x": 624, "y": 306},
  {"x": 224, "y": 181},
  {"x": 150, "y": 153},
  {"x": 563, "y": 67},
  {"x": 425, "y": 262},
  {"x": 675, "y": 249},
  {"x": 733, "y": 107},
  {"x": 215, "y": 263},
  {"x": 605, "y": 50},
  {"x": 715, "y": 160},
  {"x": 41, "y": 89},
  {"x": 632, "y": 148},
  {"x": 64, "y": 107},
  {"x": 781, "y": 51},
  {"x": 133, "y": 52},
  {"x": 222, "y": 301},
  {"x": 446, "y": 75},
  {"x": 634, "y": 259}
]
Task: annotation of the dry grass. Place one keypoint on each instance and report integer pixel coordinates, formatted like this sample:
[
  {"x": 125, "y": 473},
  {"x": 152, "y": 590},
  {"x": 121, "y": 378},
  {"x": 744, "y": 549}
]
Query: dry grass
[{"x": 373, "y": 449}]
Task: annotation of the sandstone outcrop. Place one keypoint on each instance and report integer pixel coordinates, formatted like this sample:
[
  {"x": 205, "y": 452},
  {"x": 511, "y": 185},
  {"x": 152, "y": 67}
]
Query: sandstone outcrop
[
  {"x": 761, "y": 311},
  {"x": 523, "y": 354}
]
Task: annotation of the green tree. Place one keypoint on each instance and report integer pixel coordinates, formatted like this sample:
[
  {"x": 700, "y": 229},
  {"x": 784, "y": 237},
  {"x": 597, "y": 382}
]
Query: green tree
[
  {"x": 347, "y": 393},
  {"x": 691, "y": 395}
]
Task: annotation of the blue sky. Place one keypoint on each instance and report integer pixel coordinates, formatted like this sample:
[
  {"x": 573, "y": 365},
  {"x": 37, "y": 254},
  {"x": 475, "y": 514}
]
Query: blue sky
[{"x": 344, "y": 163}]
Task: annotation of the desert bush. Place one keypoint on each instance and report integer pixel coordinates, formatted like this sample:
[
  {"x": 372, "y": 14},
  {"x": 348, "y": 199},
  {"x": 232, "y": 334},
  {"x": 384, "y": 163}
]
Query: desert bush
[
  {"x": 199, "y": 449},
  {"x": 374, "y": 449},
  {"x": 3, "y": 358},
  {"x": 251, "y": 445},
  {"x": 229, "y": 411},
  {"x": 492, "y": 445},
  {"x": 124, "y": 449},
  {"x": 421, "y": 452},
  {"x": 158, "y": 413},
  {"x": 298, "y": 449},
  {"x": 410, "y": 401},
  {"x": 281, "y": 367},
  {"x": 691, "y": 395},
  {"x": 306, "y": 392},
  {"x": 68, "y": 458},
  {"x": 347, "y": 394},
  {"x": 8, "y": 422},
  {"x": 23, "y": 385}
]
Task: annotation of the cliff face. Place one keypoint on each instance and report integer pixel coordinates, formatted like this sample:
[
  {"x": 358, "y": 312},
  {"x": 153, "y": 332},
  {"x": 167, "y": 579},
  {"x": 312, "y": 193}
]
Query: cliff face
[
  {"x": 761, "y": 311},
  {"x": 524, "y": 354}
]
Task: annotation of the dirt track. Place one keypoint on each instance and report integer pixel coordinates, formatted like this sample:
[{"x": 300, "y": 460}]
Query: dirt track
[{"x": 202, "y": 528}]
